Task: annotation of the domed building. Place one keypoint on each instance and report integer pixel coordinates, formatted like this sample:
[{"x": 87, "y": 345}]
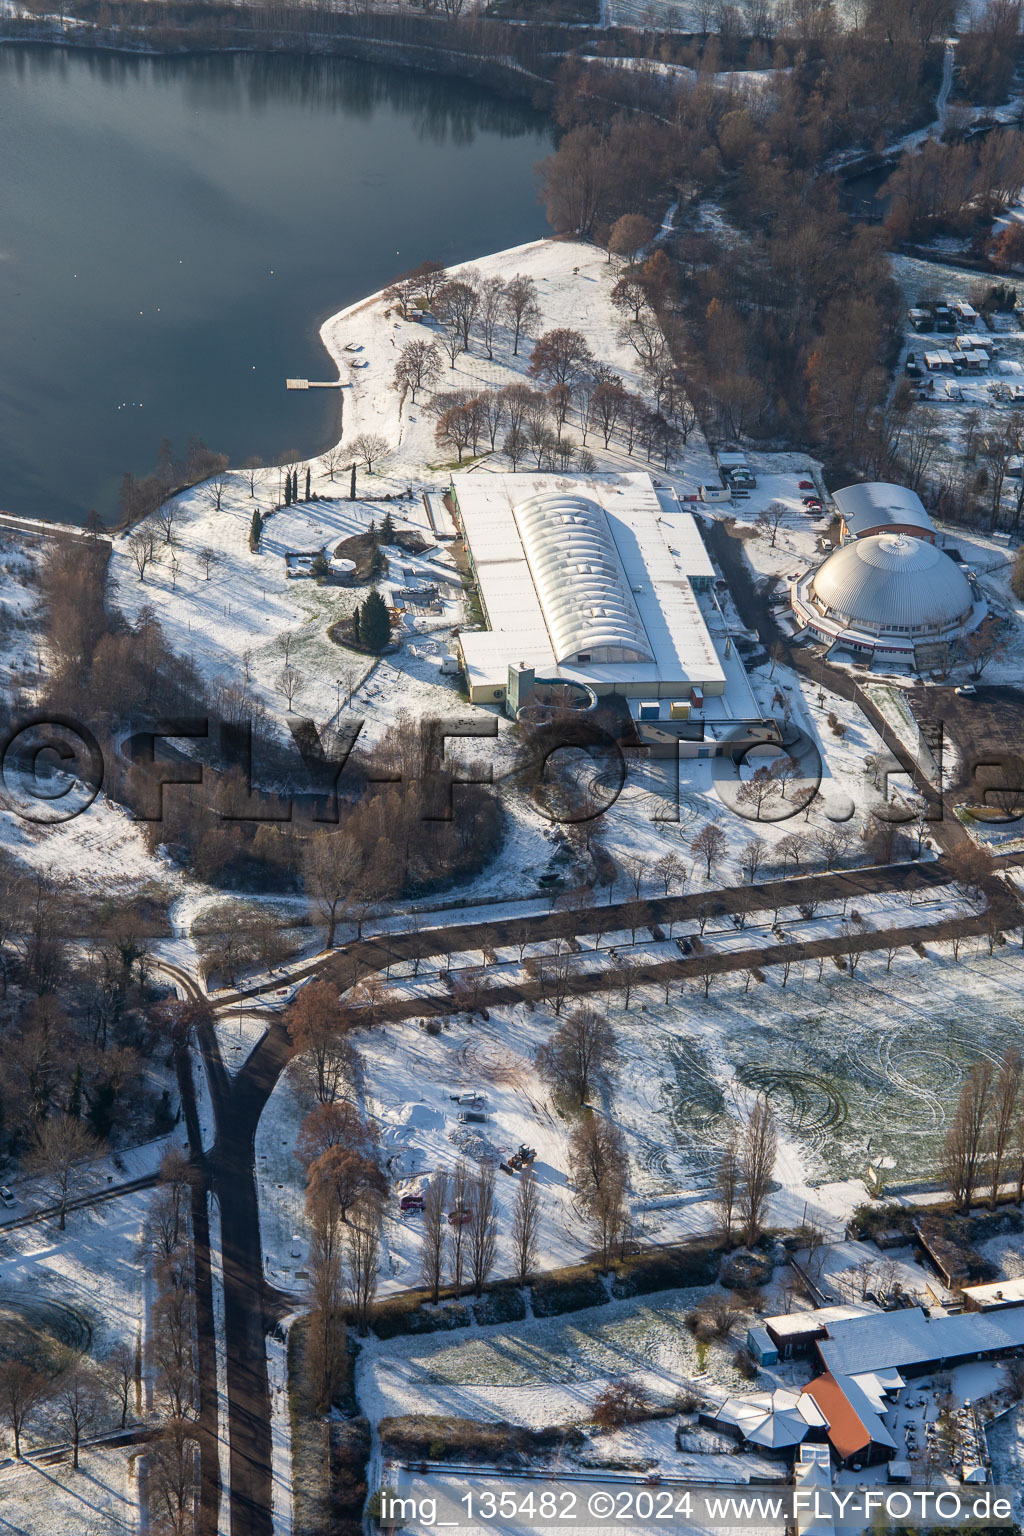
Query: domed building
[{"x": 887, "y": 596}]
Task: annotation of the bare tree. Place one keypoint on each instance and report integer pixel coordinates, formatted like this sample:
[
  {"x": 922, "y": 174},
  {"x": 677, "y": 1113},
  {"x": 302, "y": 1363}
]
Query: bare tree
[
  {"x": 121, "y": 1367},
  {"x": 172, "y": 1477},
  {"x": 483, "y": 1227},
  {"x": 579, "y": 1054},
  {"x": 491, "y": 311},
  {"x": 753, "y": 856},
  {"x": 560, "y": 356},
  {"x": 78, "y": 1398},
  {"x": 22, "y": 1390},
  {"x": 758, "y": 1151},
  {"x": 759, "y": 790},
  {"x": 727, "y": 1185},
  {"x": 141, "y": 549},
  {"x": 521, "y": 308},
  {"x": 330, "y": 867},
  {"x": 254, "y": 473},
  {"x": 458, "y": 1219},
  {"x": 770, "y": 519},
  {"x": 364, "y": 1258},
  {"x": 207, "y": 557},
  {"x": 324, "y": 1355},
  {"x": 435, "y": 1216},
  {"x": 63, "y": 1149},
  {"x": 316, "y": 1025},
  {"x": 289, "y": 680},
  {"x": 526, "y": 1225},
  {"x": 597, "y": 1153},
  {"x": 418, "y": 367},
  {"x": 456, "y": 305},
  {"x": 368, "y": 448},
  {"x": 709, "y": 845},
  {"x": 213, "y": 490},
  {"x": 833, "y": 843},
  {"x": 168, "y": 516},
  {"x": 608, "y": 1217},
  {"x": 1005, "y": 1106},
  {"x": 964, "y": 1145}
]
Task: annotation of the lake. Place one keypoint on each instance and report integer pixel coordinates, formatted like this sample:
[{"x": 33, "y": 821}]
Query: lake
[{"x": 173, "y": 233}]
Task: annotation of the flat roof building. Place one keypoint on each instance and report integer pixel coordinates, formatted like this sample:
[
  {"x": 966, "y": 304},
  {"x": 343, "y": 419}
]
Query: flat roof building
[{"x": 585, "y": 581}]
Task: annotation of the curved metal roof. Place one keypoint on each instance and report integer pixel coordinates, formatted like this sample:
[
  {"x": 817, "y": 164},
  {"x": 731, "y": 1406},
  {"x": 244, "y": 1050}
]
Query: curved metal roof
[
  {"x": 877, "y": 503},
  {"x": 893, "y": 581},
  {"x": 584, "y": 595}
]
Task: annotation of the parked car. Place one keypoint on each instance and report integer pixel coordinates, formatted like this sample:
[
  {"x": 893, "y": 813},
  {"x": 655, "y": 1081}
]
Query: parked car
[
  {"x": 472, "y": 1117},
  {"x": 471, "y": 1096},
  {"x": 6, "y": 1196},
  {"x": 912, "y": 367},
  {"x": 966, "y": 691},
  {"x": 459, "y": 1217},
  {"x": 411, "y": 1203},
  {"x": 806, "y": 485}
]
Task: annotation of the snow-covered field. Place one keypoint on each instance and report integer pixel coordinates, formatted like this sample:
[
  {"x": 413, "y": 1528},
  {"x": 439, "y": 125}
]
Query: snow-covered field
[
  {"x": 101, "y": 1499},
  {"x": 880, "y": 1085},
  {"x": 546, "y": 1370}
]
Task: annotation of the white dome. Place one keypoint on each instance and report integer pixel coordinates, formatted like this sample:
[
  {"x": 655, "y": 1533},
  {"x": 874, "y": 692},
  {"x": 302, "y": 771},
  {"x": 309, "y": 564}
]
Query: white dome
[{"x": 892, "y": 581}]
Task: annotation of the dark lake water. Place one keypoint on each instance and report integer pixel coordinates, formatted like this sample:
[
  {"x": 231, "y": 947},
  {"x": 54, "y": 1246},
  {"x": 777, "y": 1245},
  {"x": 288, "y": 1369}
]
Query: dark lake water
[{"x": 173, "y": 232}]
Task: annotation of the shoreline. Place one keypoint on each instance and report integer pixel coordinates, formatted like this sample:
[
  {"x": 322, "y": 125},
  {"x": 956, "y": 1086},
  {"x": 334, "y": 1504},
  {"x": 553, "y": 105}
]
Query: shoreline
[{"x": 493, "y": 74}]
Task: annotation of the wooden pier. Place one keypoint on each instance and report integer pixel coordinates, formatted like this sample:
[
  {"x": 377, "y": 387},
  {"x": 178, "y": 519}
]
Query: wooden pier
[{"x": 313, "y": 384}]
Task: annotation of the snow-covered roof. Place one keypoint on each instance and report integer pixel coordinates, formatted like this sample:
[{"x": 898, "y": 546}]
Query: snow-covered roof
[
  {"x": 893, "y": 581},
  {"x": 1001, "y": 1293},
  {"x": 579, "y": 577},
  {"x": 910, "y": 1337},
  {"x": 592, "y": 568},
  {"x": 853, "y": 1424},
  {"x": 773, "y": 1420},
  {"x": 788, "y": 1324},
  {"x": 879, "y": 505}
]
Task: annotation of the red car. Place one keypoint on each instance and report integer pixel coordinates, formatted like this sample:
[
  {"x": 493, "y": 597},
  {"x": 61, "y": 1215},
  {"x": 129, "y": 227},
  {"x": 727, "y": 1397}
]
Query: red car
[
  {"x": 807, "y": 485},
  {"x": 459, "y": 1218},
  {"x": 411, "y": 1203}
]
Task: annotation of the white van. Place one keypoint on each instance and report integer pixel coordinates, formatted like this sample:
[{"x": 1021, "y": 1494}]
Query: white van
[{"x": 715, "y": 493}]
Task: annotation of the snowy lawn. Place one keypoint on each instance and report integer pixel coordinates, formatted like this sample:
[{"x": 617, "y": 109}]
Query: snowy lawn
[{"x": 101, "y": 1499}]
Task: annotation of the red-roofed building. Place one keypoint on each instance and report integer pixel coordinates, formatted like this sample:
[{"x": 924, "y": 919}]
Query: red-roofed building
[{"x": 855, "y": 1431}]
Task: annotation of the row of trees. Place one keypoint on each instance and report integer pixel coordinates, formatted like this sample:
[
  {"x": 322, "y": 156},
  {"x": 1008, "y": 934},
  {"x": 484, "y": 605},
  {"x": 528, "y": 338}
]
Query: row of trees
[
  {"x": 468, "y": 307},
  {"x": 174, "y": 1456},
  {"x": 985, "y": 1139}
]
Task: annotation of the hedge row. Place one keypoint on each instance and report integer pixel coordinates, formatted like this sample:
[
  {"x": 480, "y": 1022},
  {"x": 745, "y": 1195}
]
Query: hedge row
[
  {"x": 561, "y": 1290},
  {"x": 432, "y": 1437}
]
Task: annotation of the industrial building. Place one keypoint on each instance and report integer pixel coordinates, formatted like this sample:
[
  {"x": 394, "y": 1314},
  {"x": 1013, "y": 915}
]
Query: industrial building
[
  {"x": 588, "y": 586},
  {"x": 891, "y": 596}
]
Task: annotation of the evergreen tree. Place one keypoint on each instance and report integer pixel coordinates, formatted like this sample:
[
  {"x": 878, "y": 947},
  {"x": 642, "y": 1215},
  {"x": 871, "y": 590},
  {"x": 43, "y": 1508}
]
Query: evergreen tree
[
  {"x": 374, "y": 622},
  {"x": 320, "y": 568},
  {"x": 307, "y": 481},
  {"x": 356, "y": 612},
  {"x": 352, "y": 485},
  {"x": 255, "y": 530},
  {"x": 288, "y": 490},
  {"x": 295, "y": 485},
  {"x": 387, "y": 528}
]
